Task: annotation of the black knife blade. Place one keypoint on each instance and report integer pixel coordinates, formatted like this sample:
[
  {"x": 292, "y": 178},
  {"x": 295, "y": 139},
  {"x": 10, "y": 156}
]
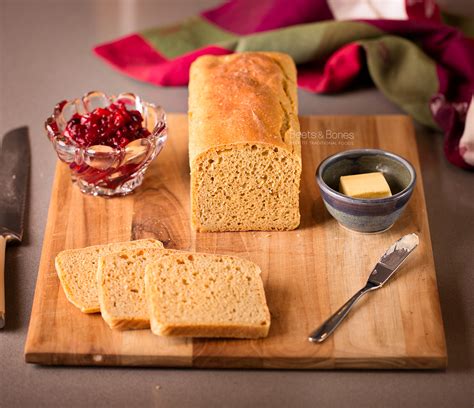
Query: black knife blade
[{"x": 14, "y": 177}]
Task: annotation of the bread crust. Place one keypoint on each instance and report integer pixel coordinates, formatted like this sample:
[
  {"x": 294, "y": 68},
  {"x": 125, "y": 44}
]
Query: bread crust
[
  {"x": 243, "y": 98},
  {"x": 219, "y": 331},
  {"x": 237, "y": 101}
]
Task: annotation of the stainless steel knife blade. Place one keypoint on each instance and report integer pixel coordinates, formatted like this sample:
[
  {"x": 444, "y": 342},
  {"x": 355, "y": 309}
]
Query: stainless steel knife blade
[
  {"x": 14, "y": 176},
  {"x": 393, "y": 258},
  {"x": 383, "y": 271}
]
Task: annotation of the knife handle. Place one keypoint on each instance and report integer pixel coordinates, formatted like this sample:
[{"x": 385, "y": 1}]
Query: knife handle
[
  {"x": 3, "y": 244},
  {"x": 323, "y": 331}
]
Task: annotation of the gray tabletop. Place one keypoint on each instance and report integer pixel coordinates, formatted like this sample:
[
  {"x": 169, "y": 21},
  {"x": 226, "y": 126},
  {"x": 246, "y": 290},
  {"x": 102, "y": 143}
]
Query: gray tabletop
[{"x": 45, "y": 56}]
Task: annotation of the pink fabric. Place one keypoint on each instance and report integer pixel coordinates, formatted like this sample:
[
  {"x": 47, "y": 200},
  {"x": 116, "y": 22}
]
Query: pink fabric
[
  {"x": 422, "y": 10},
  {"x": 135, "y": 57},
  {"x": 454, "y": 57},
  {"x": 452, "y": 119},
  {"x": 451, "y": 51},
  {"x": 131, "y": 55},
  {"x": 339, "y": 71},
  {"x": 252, "y": 16},
  {"x": 176, "y": 72}
]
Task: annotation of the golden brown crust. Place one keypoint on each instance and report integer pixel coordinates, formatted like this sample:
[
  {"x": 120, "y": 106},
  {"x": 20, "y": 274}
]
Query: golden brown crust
[
  {"x": 126, "y": 323},
  {"x": 243, "y": 98},
  {"x": 243, "y": 114},
  {"x": 222, "y": 330}
]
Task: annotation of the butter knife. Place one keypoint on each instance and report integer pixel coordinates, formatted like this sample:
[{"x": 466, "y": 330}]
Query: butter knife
[
  {"x": 383, "y": 271},
  {"x": 14, "y": 175}
]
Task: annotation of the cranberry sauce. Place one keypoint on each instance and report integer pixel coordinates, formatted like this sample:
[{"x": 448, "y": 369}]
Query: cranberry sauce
[{"x": 114, "y": 126}]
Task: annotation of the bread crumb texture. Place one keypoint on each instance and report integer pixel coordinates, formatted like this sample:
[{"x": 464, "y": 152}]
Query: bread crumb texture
[
  {"x": 254, "y": 187},
  {"x": 244, "y": 143},
  {"x": 203, "y": 295},
  {"x": 121, "y": 287},
  {"x": 77, "y": 271}
]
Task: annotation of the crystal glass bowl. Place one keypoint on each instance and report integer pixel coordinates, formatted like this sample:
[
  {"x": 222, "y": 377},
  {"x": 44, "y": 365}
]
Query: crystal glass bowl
[{"x": 103, "y": 170}]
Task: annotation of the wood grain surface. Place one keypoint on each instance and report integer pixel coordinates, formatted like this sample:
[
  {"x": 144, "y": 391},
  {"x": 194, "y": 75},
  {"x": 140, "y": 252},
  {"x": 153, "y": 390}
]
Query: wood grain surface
[{"x": 308, "y": 273}]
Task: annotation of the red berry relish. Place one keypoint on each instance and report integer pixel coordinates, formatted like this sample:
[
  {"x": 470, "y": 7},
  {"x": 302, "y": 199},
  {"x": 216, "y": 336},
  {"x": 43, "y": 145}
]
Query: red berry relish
[{"x": 113, "y": 126}]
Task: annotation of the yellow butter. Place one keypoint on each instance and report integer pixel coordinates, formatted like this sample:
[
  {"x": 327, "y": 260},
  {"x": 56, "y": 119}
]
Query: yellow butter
[{"x": 367, "y": 185}]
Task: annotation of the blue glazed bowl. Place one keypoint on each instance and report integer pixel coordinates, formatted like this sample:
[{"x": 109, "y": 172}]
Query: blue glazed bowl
[{"x": 360, "y": 214}]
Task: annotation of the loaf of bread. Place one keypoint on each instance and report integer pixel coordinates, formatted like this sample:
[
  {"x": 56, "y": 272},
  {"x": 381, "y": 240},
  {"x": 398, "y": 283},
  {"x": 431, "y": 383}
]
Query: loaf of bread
[
  {"x": 203, "y": 295},
  {"x": 244, "y": 142},
  {"x": 121, "y": 286},
  {"x": 77, "y": 271}
]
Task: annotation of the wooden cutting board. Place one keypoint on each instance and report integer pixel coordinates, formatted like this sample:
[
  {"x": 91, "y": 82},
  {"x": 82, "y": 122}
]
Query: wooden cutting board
[{"x": 308, "y": 273}]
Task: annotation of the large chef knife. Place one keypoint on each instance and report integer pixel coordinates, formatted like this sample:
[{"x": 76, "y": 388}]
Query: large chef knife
[
  {"x": 14, "y": 175},
  {"x": 383, "y": 271}
]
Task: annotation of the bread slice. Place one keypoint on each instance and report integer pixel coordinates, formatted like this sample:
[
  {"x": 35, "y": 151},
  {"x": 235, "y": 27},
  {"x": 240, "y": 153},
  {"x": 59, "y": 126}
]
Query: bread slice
[
  {"x": 121, "y": 286},
  {"x": 244, "y": 142},
  {"x": 77, "y": 271},
  {"x": 203, "y": 295}
]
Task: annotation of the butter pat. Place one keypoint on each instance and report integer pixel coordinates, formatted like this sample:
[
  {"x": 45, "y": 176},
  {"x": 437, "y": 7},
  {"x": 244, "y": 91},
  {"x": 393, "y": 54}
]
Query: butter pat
[{"x": 367, "y": 185}]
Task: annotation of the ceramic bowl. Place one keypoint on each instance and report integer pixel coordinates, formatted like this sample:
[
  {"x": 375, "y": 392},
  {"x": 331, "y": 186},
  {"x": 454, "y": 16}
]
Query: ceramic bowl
[{"x": 366, "y": 215}]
